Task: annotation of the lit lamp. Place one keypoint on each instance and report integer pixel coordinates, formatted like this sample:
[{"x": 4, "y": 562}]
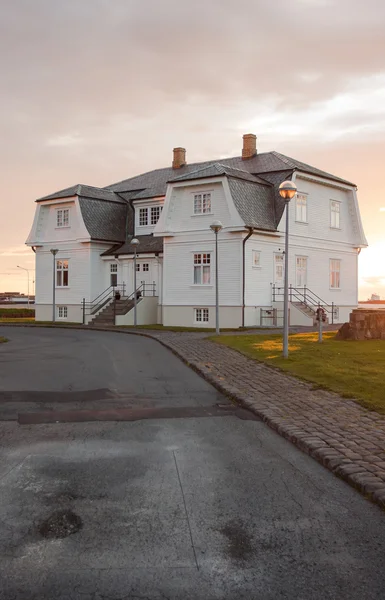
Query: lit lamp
[
  {"x": 135, "y": 242},
  {"x": 216, "y": 226},
  {"x": 53, "y": 251},
  {"x": 287, "y": 191}
]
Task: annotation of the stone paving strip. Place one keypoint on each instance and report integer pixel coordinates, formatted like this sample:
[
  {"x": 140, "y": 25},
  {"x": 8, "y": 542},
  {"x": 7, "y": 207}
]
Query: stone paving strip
[{"x": 343, "y": 436}]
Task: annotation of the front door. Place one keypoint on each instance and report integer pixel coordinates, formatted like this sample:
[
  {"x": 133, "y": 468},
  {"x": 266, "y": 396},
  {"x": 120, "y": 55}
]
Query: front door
[
  {"x": 278, "y": 270},
  {"x": 300, "y": 271},
  {"x": 144, "y": 276}
]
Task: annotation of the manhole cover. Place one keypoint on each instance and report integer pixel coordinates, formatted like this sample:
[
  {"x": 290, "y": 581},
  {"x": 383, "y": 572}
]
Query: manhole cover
[{"x": 60, "y": 524}]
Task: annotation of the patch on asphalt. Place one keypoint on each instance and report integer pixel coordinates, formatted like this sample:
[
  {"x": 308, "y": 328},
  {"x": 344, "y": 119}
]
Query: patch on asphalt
[
  {"x": 135, "y": 414},
  {"x": 60, "y": 524},
  {"x": 52, "y": 396},
  {"x": 239, "y": 547}
]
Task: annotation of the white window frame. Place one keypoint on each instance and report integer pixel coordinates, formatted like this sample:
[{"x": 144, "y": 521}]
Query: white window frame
[
  {"x": 334, "y": 273},
  {"x": 155, "y": 210},
  {"x": 299, "y": 258},
  {"x": 147, "y": 270},
  {"x": 199, "y": 207},
  {"x": 113, "y": 272},
  {"x": 143, "y": 211},
  {"x": 201, "y": 315},
  {"x": 62, "y": 312},
  {"x": 335, "y": 215},
  {"x": 256, "y": 259},
  {"x": 301, "y": 208},
  {"x": 61, "y": 270},
  {"x": 201, "y": 262},
  {"x": 62, "y": 218}
]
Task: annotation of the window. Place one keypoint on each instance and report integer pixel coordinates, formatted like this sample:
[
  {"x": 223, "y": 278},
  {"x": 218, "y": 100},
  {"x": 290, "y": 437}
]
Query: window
[
  {"x": 145, "y": 267},
  {"x": 202, "y": 204},
  {"x": 201, "y": 315},
  {"x": 335, "y": 214},
  {"x": 301, "y": 208},
  {"x": 62, "y": 217},
  {"x": 62, "y": 312},
  {"x": 335, "y": 273},
  {"x": 256, "y": 258},
  {"x": 143, "y": 217},
  {"x": 300, "y": 271},
  {"x": 155, "y": 214},
  {"x": 62, "y": 273},
  {"x": 113, "y": 274},
  {"x": 202, "y": 269},
  {"x": 138, "y": 266}
]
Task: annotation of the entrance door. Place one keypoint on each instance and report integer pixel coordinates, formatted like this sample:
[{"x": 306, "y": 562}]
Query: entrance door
[
  {"x": 278, "y": 270},
  {"x": 144, "y": 276},
  {"x": 113, "y": 274},
  {"x": 301, "y": 271}
]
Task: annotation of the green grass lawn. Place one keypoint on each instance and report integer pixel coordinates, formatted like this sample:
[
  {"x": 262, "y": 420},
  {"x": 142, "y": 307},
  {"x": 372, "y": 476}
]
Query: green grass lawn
[
  {"x": 157, "y": 327},
  {"x": 2, "y": 340},
  {"x": 19, "y": 320},
  {"x": 352, "y": 369}
]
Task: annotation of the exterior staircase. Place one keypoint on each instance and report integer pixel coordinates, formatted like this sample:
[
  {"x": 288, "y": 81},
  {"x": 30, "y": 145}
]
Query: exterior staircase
[
  {"x": 106, "y": 317},
  {"x": 309, "y": 312}
]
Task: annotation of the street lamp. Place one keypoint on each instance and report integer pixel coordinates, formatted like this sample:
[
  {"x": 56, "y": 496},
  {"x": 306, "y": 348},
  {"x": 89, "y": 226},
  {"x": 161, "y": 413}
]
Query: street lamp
[
  {"x": 135, "y": 242},
  {"x": 24, "y": 269},
  {"x": 287, "y": 191},
  {"x": 53, "y": 251},
  {"x": 216, "y": 226}
]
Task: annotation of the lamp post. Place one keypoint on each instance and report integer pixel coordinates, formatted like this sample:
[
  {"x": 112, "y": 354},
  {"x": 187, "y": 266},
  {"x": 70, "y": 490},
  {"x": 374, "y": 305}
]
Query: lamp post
[
  {"x": 287, "y": 191},
  {"x": 216, "y": 226},
  {"x": 53, "y": 251},
  {"x": 135, "y": 242},
  {"x": 24, "y": 269}
]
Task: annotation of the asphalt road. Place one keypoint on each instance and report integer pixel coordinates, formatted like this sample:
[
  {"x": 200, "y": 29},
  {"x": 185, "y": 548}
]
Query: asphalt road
[{"x": 192, "y": 509}]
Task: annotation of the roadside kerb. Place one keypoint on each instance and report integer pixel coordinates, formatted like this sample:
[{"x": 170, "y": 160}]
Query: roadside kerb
[{"x": 346, "y": 438}]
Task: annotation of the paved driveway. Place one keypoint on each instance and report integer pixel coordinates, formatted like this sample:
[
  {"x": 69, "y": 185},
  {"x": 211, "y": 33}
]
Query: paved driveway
[{"x": 194, "y": 508}]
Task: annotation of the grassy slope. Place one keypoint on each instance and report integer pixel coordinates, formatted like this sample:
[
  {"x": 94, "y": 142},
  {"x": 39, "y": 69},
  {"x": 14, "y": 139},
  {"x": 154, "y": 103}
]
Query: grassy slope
[{"x": 352, "y": 369}]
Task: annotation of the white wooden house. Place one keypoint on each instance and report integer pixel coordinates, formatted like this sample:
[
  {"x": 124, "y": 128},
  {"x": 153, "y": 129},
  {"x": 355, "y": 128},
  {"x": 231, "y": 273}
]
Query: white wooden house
[{"x": 169, "y": 211}]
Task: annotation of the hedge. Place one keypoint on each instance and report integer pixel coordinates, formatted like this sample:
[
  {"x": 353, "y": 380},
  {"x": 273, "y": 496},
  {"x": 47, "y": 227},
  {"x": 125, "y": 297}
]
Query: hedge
[{"x": 16, "y": 313}]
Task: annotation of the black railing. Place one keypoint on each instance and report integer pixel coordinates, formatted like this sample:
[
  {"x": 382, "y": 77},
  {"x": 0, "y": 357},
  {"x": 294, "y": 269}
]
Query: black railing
[
  {"x": 271, "y": 317},
  {"x": 305, "y": 296},
  {"x": 114, "y": 293}
]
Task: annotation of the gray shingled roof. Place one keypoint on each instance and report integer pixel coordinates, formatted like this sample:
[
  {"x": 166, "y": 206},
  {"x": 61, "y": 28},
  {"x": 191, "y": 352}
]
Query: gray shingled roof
[
  {"x": 148, "y": 243},
  {"x": 86, "y": 191},
  {"x": 104, "y": 220},
  {"x": 154, "y": 183},
  {"x": 254, "y": 202},
  {"x": 216, "y": 170}
]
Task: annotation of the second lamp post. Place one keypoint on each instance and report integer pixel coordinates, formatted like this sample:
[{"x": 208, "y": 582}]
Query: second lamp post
[
  {"x": 287, "y": 191},
  {"x": 135, "y": 242},
  {"x": 216, "y": 226}
]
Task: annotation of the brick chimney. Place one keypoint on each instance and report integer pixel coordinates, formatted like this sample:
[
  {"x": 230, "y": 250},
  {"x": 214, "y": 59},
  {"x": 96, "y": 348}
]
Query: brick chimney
[
  {"x": 249, "y": 146},
  {"x": 179, "y": 158}
]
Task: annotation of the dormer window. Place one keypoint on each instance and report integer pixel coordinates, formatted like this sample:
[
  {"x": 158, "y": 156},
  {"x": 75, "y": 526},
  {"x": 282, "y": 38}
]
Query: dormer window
[
  {"x": 149, "y": 215},
  {"x": 143, "y": 217},
  {"x": 155, "y": 214},
  {"x": 62, "y": 217},
  {"x": 202, "y": 203}
]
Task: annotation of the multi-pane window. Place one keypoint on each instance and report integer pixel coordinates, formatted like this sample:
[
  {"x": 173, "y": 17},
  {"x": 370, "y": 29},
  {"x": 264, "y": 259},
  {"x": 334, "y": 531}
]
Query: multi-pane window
[
  {"x": 202, "y": 262},
  {"x": 201, "y": 315},
  {"x": 155, "y": 214},
  {"x": 138, "y": 266},
  {"x": 256, "y": 258},
  {"x": 202, "y": 203},
  {"x": 113, "y": 274},
  {"x": 300, "y": 271},
  {"x": 335, "y": 214},
  {"x": 335, "y": 273},
  {"x": 62, "y": 217},
  {"x": 143, "y": 217},
  {"x": 301, "y": 208},
  {"x": 145, "y": 267},
  {"x": 62, "y": 312},
  {"x": 62, "y": 273}
]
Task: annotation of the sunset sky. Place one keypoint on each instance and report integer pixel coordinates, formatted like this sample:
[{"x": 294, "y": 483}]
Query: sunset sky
[{"x": 95, "y": 91}]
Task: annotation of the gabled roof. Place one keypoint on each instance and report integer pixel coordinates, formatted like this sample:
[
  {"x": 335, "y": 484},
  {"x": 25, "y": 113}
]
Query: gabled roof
[
  {"x": 147, "y": 244},
  {"x": 87, "y": 191},
  {"x": 217, "y": 169}
]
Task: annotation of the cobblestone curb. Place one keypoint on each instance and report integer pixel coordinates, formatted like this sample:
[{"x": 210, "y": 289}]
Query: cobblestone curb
[{"x": 346, "y": 438}]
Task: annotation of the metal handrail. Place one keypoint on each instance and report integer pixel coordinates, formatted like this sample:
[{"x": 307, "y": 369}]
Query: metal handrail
[
  {"x": 307, "y": 297},
  {"x": 109, "y": 295}
]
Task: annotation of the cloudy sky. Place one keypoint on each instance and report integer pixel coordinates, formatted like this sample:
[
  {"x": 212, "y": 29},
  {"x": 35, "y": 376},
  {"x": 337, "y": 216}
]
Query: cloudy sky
[{"x": 95, "y": 91}]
